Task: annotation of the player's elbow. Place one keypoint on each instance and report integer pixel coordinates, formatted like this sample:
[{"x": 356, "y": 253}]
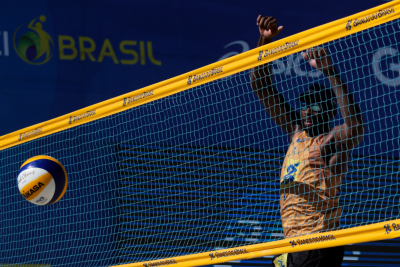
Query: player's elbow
[
  {"x": 356, "y": 126},
  {"x": 359, "y": 126},
  {"x": 357, "y": 132}
]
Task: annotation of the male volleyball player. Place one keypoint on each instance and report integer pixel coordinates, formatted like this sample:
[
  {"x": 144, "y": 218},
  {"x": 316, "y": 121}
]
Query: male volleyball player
[{"x": 317, "y": 158}]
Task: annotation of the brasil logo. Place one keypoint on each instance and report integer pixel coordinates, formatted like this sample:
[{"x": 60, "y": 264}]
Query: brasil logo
[{"x": 33, "y": 46}]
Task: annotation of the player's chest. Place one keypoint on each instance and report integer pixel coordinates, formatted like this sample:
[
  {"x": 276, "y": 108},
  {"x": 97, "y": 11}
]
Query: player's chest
[{"x": 302, "y": 162}]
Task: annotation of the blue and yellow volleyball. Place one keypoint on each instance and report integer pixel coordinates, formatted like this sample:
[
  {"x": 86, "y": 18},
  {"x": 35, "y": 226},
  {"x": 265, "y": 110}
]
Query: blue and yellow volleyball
[{"x": 42, "y": 180}]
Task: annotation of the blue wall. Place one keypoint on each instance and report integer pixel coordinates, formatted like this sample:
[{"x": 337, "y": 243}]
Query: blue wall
[{"x": 183, "y": 35}]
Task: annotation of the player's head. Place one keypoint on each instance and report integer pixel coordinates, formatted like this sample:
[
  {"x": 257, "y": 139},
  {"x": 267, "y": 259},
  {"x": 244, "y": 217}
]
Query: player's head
[{"x": 317, "y": 106}]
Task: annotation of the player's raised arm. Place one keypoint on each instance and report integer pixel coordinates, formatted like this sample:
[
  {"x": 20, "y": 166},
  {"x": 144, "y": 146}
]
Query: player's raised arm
[
  {"x": 349, "y": 134},
  {"x": 262, "y": 82}
]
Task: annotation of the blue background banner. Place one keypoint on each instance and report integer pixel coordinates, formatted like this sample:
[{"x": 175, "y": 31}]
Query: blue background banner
[{"x": 96, "y": 50}]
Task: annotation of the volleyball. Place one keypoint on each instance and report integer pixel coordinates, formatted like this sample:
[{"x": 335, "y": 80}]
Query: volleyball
[{"x": 42, "y": 180}]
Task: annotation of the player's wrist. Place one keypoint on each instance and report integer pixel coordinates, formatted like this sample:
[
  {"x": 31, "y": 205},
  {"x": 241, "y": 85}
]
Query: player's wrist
[{"x": 265, "y": 39}]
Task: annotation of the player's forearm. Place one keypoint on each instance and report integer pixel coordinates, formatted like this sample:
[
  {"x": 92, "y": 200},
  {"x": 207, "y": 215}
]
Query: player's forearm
[
  {"x": 349, "y": 109},
  {"x": 263, "y": 41},
  {"x": 261, "y": 76}
]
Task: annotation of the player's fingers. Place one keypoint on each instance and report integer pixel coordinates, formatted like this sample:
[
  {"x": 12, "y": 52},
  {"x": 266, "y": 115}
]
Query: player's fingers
[
  {"x": 258, "y": 19},
  {"x": 318, "y": 53},
  {"x": 272, "y": 24},
  {"x": 310, "y": 54},
  {"x": 266, "y": 21},
  {"x": 323, "y": 52},
  {"x": 305, "y": 56},
  {"x": 272, "y": 20},
  {"x": 315, "y": 53},
  {"x": 261, "y": 22},
  {"x": 280, "y": 28}
]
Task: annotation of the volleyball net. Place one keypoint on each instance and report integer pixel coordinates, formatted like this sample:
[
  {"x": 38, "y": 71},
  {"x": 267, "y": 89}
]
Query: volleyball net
[{"x": 187, "y": 172}]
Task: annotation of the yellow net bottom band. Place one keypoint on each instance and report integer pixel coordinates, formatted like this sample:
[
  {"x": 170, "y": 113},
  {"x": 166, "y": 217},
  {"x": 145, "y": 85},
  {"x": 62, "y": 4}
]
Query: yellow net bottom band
[{"x": 367, "y": 233}]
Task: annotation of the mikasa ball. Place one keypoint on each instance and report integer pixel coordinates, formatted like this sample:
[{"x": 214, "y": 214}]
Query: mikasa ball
[{"x": 42, "y": 180}]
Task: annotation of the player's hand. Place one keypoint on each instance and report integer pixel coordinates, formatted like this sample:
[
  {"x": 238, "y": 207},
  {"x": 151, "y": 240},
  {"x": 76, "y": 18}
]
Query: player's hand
[
  {"x": 268, "y": 26},
  {"x": 319, "y": 58}
]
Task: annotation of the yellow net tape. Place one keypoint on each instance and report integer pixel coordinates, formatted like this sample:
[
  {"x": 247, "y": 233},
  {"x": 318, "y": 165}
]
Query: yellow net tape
[{"x": 373, "y": 232}]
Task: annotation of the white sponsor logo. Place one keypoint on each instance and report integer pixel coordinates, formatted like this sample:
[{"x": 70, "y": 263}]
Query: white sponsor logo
[
  {"x": 245, "y": 47},
  {"x": 394, "y": 67}
]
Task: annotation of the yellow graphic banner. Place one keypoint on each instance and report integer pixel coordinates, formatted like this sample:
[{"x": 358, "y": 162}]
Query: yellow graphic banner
[
  {"x": 261, "y": 55},
  {"x": 368, "y": 233}
]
